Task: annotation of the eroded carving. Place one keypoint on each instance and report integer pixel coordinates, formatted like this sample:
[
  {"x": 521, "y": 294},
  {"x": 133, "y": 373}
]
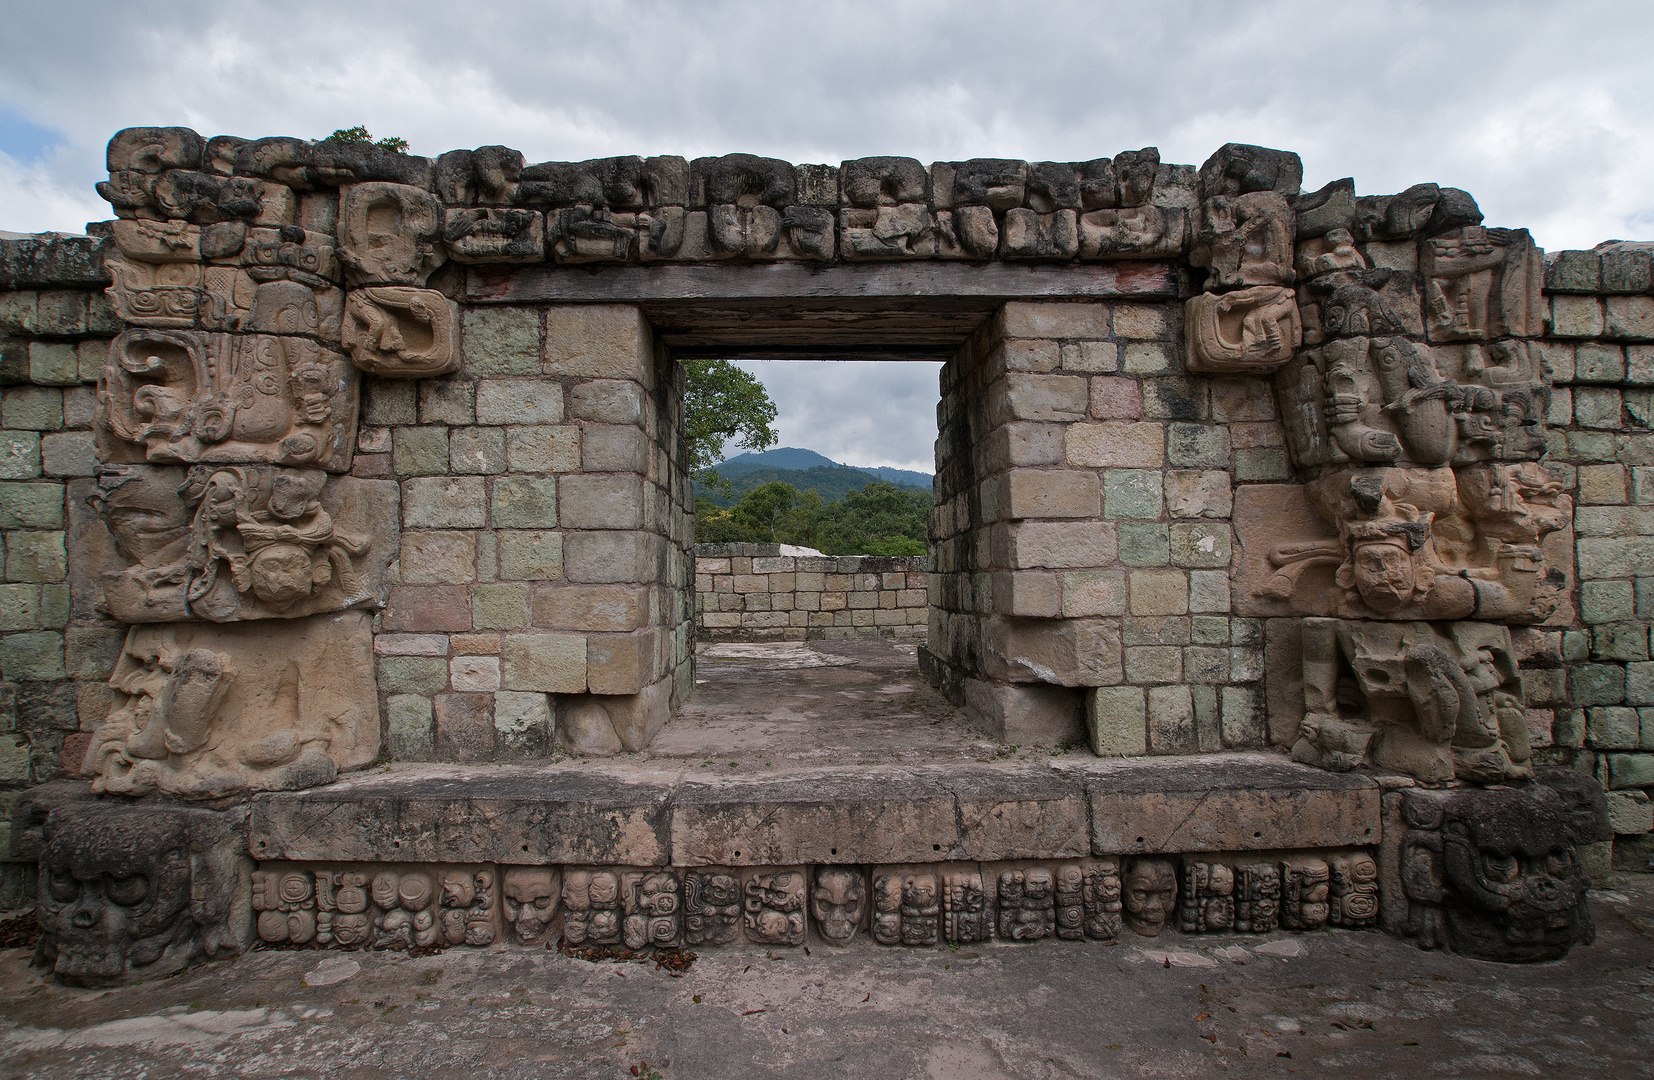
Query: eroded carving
[
  {"x": 1306, "y": 892},
  {"x": 374, "y": 906},
  {"x": 530, "y": 895},
  {"x": 400, "y": 333},
  {"x": 1434, "y": 701},
  {"x": 591, "y": 907},
  {"x": 1249, "y": 331},
  {"x": 495, "y": 236},
  {"x": 1102, "y": 899},
  {"x": 1245, "y": 240},
  {"x": 838, "y": 903},
  {"x": 653, "y": 910},
  {"x": 203, "y": 711},
  {"x": 389, "y": 233},
  {"x": 711, "y": 907},
  {"x": 966, "y": 914},
  {"x": 137, "y": 892},
  {"x": 773, "y": 906},
  {"x": 1150, "y": 895},
  {"x": 1027, "y": 903},
  {"x": 186, "y": 396}
]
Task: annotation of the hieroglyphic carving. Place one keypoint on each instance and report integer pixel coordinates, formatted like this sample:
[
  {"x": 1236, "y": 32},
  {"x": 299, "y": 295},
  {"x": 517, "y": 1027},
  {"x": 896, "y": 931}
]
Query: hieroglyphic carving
[
  {"x": 653, "y": 909},
  {"x": 1481, "y": 284},
  {"x": 1257, "y": 898},
  {"x": 1248, "y": 331},
  {"x": 1354, "y": 892},
  {"x": 1102, "y": 898},
  {"x": 1206, "y": 901},
  {"x": 711, "y": 908},
  {"x": 401, "y": 333},
  {"x": 1434, "y": 701},
  {"x": 773, "y": 906},
  {"x": 591, "y": 907},
  {"x": 155, "y": 294},
  {"x": 232, "y": 543},
  {"x": 530, "y": 895},
  {"x": 921, "y": 909},
  {"x": 203, "y": 711},
  {"x": 965, "y": 909},
  {"x": 887, "y": 906},
  {"x": 139, "y": 891},
  {"x": 1305, "y": 893},
  {"x": 468, "y": 914},
  {"x": 1027, "y": 903},
  {"x": 381, "y": 906},
  {"x": 1150, "y": 895},
  {"x": 1495, "y": 873},
  {"x": 185, "y": 396},
  {"x": 838, "y": 903},
  {"x": 1070, "y": 901}
]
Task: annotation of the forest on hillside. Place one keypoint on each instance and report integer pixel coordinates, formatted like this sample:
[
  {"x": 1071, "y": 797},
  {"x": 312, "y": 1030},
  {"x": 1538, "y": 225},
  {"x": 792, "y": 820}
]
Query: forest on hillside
[{"x": 877, "y": 519}]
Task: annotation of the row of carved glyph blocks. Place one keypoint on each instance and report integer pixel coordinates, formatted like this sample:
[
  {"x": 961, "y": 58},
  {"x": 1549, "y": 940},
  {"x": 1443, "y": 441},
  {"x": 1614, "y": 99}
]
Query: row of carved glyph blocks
[{"x": 394, "y": 905}]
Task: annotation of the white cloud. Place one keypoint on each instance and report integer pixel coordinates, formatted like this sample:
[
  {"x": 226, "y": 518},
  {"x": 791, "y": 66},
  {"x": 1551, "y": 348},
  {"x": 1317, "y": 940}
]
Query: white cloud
[{"x": 859, "y": 412}]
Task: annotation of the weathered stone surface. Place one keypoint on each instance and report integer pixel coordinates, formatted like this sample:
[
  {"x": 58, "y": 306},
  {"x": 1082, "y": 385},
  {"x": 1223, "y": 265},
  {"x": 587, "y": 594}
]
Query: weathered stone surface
[
  {"x": 401, "y": 333},
  {"x": 1249, "y": 331},
  {"x": 203, "y": 711},
  {"x": 506, "y": 814},
  {"x": 1233, "y": 802}
]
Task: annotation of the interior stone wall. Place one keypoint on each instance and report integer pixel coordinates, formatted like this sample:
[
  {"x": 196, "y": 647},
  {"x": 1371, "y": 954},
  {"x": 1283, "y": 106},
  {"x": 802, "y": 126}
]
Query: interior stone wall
[{"x": 752, "y": 592}]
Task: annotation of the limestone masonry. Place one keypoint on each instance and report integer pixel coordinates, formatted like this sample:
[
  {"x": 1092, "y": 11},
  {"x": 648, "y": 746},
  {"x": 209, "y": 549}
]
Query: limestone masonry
[{"x": 1331, "y": 514}]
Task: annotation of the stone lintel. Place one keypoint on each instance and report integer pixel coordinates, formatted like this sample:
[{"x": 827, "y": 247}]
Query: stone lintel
[{"x": 641, "y": 816}]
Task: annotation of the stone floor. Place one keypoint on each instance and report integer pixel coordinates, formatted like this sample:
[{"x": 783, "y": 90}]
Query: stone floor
[
  {"x": 793, "y": 705},
  {"x": 1327, "y": 1003}
]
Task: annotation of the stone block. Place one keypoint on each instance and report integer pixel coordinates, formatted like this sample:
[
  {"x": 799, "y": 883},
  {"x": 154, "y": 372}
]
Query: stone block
[
  {"x": 550, "y": 663},
  {"x": 1031, "y": 356},
  {"x": 1062, "y": 544},
  {"x": 1116, "y": 444},
  {"x": 1021, "y": 592},
  {"x": 1597, "y": 684},
  {"x": 410, "y": 644},
  {"x": 32, "y": 408},
  {"x": 603, "y": 501},
  {"x": 419, "y": 451},
  {"x": 31, "y": 506},
  {"x": 499, "y": 606},
  {"x": 438, "y": 558},
  {"x": 1132, "y": 493},
  {"x": 1630, "y": 771},
  {"x": 53, "y": 364},
  {"x": 1264, "y": 463},
  {"x": 68, "y": 453},
  {"x": 1576, "y": 317},
  {"x": 530, "y": 554},
  {"x": 1198, "y": 494},
  {"x": 1146, "y": 664},
  {"x": 1228, "y": 802},
  {"x": 1116, "y": 721},
  {"x": 36, "y": 556},
  {"x": 451, "y": 401},
  {"x": 543, "y": 449},
  {"x": 1613, "y": 728},
  {"x": 1114, "y": 398},
  {"x": 1144, "y": 543},
  {"x": 1597, "y": 406},
  {"x": 1143, "y": 322},
  {"x": 1090, "y": 356},
  {"x": 597, "y": 608},
  {"x": 607, "y": 401},
  {"x": 1625, "y": 271},
  {"x": 19, "y": 455},
  {"x": 425, "y": 609},
  {"x": 522, "y": 721},
  {"x": 1620, "y": 641},
  {"x": 1602, "y": 485},
  {"x": 1197, "y": 445},
  {"x": 32, "y": 657},
  {"x": 525, "y": 502},
  {"x": 611, "y": 448},
  {"x": 476, "y": 450},
  {"x": 501, "y": 340},
  {"x": 413, "y": 674},
  {"x": 1093, "y": 592},
  {"x": 19, "y": 609},
  {"x": 1209, "y": 591},
  {"x": 1629, "y": 815},
  {"x": 1598, "y": 363},
  {"x": 1171, "y": 720},
  {"x": 1200, "y": 545},
  {"x": 409, "y": 720},
  {"x": 474, "y": 673},
  {"x": 1020, "y": 319},
  {"x": 1025, "y": 396},
  {"x": 465, "y": 727},
  {"x": 1042, "y": 493},
  {"x": 1066, "y": 652},
  {"x": 1025, "y": 715},
  {"x": 1606, "y": 601},
  {"x": 443, "y": 502},
  {"x": 1639, "y": 683},
  {"x": 620, "y": 663},
  {"x": 1630, "y": 317},
  {"x": 1159, "y": 592},
  {"x": 1148, "y": 357},
  {"x": 519, "y": 401},
  {"x": 608, "y": 556},
  {"x": 598, "y": 341}
]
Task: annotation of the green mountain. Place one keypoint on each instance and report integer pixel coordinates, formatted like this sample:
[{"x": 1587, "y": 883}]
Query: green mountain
[{"x": 831, "y": 482}]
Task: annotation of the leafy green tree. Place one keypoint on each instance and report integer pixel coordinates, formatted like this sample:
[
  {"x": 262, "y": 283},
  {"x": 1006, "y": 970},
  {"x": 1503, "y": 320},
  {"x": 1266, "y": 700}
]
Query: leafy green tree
[
  {"x": 721, "y": 402},
  {"x": 359, "y": 134}
]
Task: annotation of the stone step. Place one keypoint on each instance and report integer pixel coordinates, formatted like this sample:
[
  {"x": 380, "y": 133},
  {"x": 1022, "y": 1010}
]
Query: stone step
[{"x": 620, "y": 814}]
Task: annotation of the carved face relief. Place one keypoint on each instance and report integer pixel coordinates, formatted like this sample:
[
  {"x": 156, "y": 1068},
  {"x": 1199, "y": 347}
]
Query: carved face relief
[
  {"x": 530, "y": 902},
  {"x": 838, "y": 904},
  {"x": 142, "y": 511},
  {"x": 1383, "y": 574},
  {"x": 1150, "y": 895}
]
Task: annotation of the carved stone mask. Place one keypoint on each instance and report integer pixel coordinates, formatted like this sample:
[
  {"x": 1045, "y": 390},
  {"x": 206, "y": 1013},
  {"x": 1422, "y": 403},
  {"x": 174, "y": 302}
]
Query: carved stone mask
[
  {"x": 1383, "y": 575},
  {"x": 530, "y": 901},
  {"x": 114, "y": 894},
  {"x": 838, "y": 904},
  {"x": 1150, "y": 895}
]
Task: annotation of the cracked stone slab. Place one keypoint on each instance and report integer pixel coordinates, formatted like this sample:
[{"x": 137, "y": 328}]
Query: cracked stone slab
[
  {"x": 1232, "y": 802},
  {"x": 864, "y": 815},
  {"x": 530, "y": 815},
  {"x": 1017, "y": 812}
]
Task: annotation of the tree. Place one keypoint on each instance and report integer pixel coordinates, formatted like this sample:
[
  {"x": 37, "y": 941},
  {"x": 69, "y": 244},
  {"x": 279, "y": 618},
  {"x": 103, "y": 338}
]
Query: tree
[
  {"x": 721, "y": 402},
  {"x": 359, "y": 134}
]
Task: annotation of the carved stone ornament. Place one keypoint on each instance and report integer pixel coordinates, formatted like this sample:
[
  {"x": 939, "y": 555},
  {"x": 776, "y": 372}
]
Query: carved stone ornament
[
  {"x": 166, "y": 294},
  {"x": 530, "y": 895},
  {"x": 378, "y": 906},
  {"x": 399, "y": 333},
  {"x": 495, "y": 236},
  {"x": 591, "y": 907},
  {"x": 1436, "y": 701},
  {"x": 137, "y": 892},
  {"x": 1027, "y": 903},
  {"x": 1246, "y": 240},
  {"x": 773, "y": 906},
  {"x": 838, "y": 903},
  {"x": 1495, "y": 873},
  {"x": 389, "y": 233},
  {"x": 653, "y": 904},
  {"x": 238, "y": 542},
  {"x": 204, "y": 711},
  {"x": 1247, "y": 332},
  {"x": 712, "y": 907},
  {"x": 186, "y": 396},
  {"x": 1150, "y": 895}
]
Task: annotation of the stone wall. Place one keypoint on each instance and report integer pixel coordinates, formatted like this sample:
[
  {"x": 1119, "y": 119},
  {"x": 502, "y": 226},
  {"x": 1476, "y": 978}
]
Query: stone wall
[
  {"x": 1591, "y": 687},
  {"x": 751, "y": 592}
]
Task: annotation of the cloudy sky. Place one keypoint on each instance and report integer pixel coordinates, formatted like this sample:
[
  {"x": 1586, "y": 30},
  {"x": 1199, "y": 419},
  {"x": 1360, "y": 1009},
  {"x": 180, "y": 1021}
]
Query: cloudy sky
[{"x": 1541, "y": 110}]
